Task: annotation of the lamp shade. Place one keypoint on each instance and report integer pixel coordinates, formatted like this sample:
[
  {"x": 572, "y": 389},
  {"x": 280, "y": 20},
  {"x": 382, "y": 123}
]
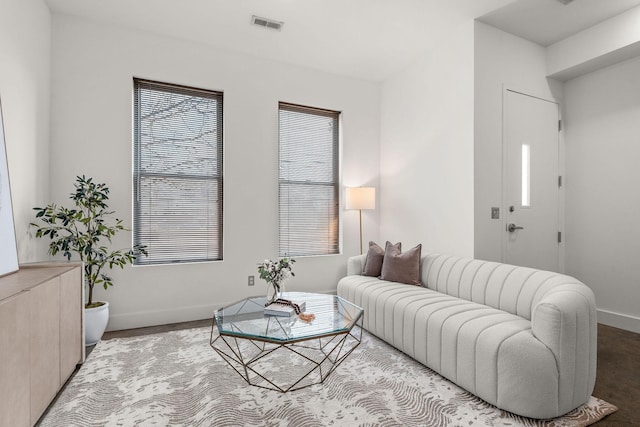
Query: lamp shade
[{"x": 360, "y": 198}]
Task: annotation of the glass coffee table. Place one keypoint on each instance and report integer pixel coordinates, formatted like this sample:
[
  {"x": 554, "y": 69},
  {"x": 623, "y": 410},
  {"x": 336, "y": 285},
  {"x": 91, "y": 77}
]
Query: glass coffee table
[{"x": 285, "y": 353}]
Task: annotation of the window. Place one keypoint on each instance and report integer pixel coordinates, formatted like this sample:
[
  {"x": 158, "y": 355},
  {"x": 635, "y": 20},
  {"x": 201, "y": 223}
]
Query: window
[
  {"x": 308, "y": 181},
  {"x": 526, "y": 175},
  {"x": 177, "y": 176}
]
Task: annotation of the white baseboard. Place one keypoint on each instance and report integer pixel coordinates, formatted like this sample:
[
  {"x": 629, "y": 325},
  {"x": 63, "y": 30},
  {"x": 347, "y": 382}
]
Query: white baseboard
[
  {"x": 617, "y": 320},
  {"x": 143, "y": 319}
]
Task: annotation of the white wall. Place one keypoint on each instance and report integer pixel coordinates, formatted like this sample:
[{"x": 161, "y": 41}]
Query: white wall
[
  {"x": 603, "y": 203},
  {"x": 426, "y": 152},
  {"x": 502, "y": 61},
  {"x": 93, "y": 66},
  {"x": 606, "y": 43},
  {"x": 25, "y": 48},
  {"x": 601, "y": 122}
]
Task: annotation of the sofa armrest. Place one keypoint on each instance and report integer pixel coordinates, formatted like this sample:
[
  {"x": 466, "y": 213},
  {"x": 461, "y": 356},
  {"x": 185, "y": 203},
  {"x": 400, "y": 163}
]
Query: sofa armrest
[
  {"x": 355, "y": 265},
  {"x": 565, "y": 321}
]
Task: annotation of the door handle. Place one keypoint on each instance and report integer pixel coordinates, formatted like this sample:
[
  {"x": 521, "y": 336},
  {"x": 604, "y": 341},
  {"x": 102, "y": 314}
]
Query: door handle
[{"x": 512, "y": 227}]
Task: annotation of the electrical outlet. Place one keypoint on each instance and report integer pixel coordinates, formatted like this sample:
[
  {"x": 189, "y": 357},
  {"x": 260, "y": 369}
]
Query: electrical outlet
[{"x": 252, "y": 280}]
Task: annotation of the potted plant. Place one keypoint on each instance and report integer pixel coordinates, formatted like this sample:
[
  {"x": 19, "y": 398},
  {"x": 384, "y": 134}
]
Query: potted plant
[{"x": 84, "y": 230}]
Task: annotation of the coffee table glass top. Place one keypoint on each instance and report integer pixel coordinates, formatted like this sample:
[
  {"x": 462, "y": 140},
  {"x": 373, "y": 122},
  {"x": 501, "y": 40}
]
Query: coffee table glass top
[{"x": 246, "y": 318}]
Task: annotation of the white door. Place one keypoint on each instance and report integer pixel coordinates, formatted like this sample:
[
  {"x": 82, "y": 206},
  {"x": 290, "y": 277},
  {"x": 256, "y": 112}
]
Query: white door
[{"x": 531, "y": 188}]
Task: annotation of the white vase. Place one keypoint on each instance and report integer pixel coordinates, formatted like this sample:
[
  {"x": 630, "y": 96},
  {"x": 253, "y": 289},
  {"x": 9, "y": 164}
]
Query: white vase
[{"x": 95, "y": 322}]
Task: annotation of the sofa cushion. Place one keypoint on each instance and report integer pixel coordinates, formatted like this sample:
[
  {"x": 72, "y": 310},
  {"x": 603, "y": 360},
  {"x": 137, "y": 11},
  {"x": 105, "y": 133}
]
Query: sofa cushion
[
  {"x": 401, "y": 267},
  {"x": 373, "y": 261}
]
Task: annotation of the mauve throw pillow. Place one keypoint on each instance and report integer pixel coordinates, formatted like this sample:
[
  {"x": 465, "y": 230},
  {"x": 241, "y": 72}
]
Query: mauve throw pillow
[
  {"x": 373, "y": 261},
  {"x": 401, "y": 267}
]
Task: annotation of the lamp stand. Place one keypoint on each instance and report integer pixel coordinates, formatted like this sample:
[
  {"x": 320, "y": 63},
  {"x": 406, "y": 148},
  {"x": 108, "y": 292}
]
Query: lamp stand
[
  {"x": 359, "y": 198},
  {"x": 360, "y": 231}
]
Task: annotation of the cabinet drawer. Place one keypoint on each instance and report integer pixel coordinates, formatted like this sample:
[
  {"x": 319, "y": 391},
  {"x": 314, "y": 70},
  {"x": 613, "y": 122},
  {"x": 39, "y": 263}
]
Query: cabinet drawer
[
  {"x": 45, "y": 345},
  {"x": 14, "y": 361},
  {"x": 71, "y": 306}
]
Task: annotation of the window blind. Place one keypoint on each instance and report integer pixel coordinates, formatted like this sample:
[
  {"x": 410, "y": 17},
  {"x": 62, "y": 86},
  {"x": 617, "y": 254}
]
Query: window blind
[
  {"x": 178, "y": 179},
  {"x": 308, "y": 181}
]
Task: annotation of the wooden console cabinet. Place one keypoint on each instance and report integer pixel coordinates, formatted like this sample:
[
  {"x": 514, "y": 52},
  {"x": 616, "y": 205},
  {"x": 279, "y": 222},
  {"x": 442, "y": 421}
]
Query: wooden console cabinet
[{"x": 41, "y": 337}]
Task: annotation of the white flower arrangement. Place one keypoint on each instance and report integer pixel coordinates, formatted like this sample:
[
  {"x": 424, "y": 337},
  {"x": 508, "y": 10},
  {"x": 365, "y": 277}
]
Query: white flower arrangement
[{"x": 276, "y": 272}]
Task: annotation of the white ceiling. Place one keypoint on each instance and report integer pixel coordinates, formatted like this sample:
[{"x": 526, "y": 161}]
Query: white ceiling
[
  {"x": 366, "y": 39},
  {"x": 548, "y": 21}
]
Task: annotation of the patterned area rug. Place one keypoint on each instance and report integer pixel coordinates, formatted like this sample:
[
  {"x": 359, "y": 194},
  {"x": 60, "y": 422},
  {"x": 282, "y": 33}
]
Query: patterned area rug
[{"x": 177, "y": 379}]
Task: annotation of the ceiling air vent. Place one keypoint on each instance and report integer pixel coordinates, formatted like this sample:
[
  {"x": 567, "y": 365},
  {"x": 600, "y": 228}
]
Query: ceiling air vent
[{"x": 267, "y": 23}]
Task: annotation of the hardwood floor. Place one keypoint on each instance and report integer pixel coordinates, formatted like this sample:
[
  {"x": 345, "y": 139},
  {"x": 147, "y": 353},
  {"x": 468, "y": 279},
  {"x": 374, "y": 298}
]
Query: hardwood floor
[
  {"x": 617, "y": 381},
  {"x": 156, "y": 329},
  {"x": 618, "y": 375}
]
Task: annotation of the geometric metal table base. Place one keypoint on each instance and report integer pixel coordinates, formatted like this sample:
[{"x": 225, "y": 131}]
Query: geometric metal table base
[
  {"x": 285, "y": 353},
  {"x": 286, "y": 366}
]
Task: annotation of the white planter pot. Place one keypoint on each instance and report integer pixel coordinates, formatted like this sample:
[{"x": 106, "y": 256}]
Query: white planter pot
[{"x": 95, "y": 322}]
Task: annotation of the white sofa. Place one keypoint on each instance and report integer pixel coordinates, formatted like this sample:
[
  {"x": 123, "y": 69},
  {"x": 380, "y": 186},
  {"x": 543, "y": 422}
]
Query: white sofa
[{"x": 522, "y": 339}]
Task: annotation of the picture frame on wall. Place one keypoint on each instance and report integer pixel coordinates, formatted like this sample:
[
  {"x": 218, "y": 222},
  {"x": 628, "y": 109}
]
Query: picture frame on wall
[{"x": 8, "y": 246}]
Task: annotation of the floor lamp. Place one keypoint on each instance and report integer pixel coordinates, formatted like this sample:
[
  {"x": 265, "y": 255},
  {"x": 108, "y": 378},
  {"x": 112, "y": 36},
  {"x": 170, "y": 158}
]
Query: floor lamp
[{"x": 360, "y": 198}]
